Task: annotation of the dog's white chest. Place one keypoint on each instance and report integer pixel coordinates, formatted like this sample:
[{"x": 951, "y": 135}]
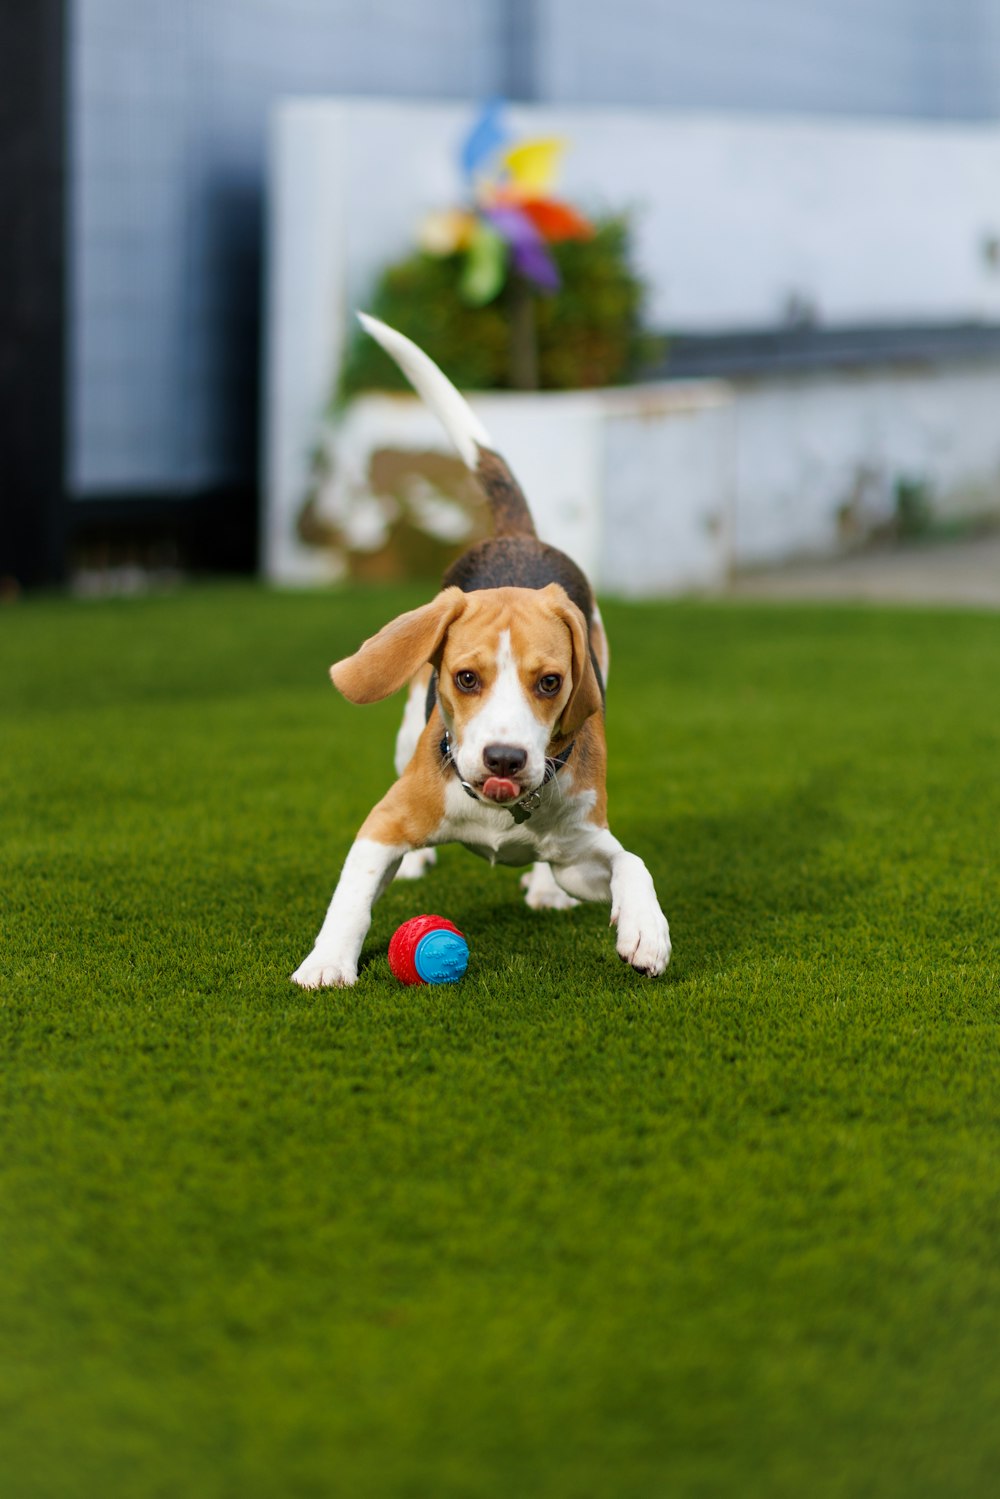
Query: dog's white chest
[
  {"x": 505, "y": 851},
  {"x": 550, "y": 834}
]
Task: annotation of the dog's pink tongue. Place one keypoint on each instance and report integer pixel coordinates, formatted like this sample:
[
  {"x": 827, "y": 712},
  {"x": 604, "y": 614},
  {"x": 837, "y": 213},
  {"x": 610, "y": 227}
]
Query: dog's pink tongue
[{"x": 499, "y": 789}]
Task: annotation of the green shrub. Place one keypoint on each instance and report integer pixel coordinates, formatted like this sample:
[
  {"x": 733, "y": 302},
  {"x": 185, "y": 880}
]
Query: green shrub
[{"x": 589, "y": 334}]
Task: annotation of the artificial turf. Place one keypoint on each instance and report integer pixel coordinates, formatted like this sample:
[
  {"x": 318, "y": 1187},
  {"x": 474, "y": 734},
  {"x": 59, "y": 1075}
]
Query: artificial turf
[{"x": 559, "y": 1231}]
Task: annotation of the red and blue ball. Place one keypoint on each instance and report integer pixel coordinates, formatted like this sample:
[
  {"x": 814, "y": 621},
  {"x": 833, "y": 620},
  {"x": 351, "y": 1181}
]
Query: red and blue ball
[{"x": 428, "y": 950}]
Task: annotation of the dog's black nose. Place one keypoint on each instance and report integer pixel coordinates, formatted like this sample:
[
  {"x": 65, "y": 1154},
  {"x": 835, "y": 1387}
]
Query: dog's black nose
[{"x": 504, "y": 759}]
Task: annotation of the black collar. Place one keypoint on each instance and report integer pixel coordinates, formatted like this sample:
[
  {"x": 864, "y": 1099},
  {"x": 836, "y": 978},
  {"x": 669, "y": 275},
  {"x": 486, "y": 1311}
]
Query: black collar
[{"x": 522, "y": 809}]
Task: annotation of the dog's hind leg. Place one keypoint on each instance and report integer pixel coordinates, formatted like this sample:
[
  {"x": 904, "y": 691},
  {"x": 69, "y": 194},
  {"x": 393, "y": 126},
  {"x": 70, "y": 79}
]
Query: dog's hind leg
[
  {"x": 414, "y": 718},
  {"x": 599, "y": 643},
  {"x": 542, "y": 893},
  {"x": 415, "y": 865},
  {"x": 418, "y": 862}
]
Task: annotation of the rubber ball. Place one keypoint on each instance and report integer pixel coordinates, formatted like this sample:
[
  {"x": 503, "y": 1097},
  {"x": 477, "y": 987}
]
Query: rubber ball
[{"x": 428, "y": 950}]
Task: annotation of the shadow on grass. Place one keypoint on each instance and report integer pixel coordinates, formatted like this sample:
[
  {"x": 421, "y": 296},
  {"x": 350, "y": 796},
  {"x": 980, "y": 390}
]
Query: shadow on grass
[{"x": 724, "y": 881}]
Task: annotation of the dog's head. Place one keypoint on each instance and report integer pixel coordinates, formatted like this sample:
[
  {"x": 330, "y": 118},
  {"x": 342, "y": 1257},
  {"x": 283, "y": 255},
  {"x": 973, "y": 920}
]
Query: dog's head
[{"x": 515, "y": 678}]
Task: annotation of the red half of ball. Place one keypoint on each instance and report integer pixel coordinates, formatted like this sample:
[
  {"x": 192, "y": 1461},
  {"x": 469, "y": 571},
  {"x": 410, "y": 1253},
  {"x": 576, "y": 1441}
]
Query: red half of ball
[{"x": 402, "y": 948}]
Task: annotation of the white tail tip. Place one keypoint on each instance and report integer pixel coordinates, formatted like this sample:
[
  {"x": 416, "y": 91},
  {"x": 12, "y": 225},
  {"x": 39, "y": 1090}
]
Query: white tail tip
[{"x": 433, "y": 386}]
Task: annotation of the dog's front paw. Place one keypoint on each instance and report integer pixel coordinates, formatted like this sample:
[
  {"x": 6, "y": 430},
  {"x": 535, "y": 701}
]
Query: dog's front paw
[
  {"x": 325, "y": 971},
  {"x": 643, "y": 940}
]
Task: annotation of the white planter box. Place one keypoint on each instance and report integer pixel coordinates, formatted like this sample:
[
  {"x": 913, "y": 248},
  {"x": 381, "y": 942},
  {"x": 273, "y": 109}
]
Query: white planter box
[
  {"x": 820, "y": 457},
  {"x": 634, "y": 483}
]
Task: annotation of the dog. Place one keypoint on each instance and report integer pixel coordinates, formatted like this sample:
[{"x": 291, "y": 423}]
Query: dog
[{"x": 502, "y": 744}]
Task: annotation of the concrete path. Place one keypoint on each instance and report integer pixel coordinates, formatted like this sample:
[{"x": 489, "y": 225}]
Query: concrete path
[{"x": 963, "y": 573}]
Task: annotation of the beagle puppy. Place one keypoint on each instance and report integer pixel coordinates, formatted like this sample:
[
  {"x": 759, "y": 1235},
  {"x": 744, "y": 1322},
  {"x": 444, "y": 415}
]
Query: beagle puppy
[{"x": 502, "y": 743}]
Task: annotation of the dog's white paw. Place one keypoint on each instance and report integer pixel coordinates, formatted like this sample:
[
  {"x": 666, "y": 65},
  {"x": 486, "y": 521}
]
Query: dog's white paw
[
  {"x": 325, "y": 971},
  {"x": 542, "y": 893},
  {"x": 643, "y": 939},
  {"x": 416, "y": 863}
]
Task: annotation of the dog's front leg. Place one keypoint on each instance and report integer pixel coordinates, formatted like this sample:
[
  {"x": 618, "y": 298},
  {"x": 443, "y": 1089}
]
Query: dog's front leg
[
  {"x": 643, "y": 933},
  {"x": 607, "y": 871},
  {"x": 333, "y": 962}
]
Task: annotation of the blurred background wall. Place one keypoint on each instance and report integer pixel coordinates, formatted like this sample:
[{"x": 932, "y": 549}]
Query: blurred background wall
[
  {"x": 926, "y": 59},
  {"x": 132, "y": 164}
]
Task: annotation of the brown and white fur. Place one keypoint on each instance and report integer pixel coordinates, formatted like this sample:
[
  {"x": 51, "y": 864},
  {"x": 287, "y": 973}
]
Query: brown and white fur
[{"x": 518, "y": 650}]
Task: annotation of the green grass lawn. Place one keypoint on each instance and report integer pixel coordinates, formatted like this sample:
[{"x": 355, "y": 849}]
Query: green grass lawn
[{"x": 559, "y": 1231}]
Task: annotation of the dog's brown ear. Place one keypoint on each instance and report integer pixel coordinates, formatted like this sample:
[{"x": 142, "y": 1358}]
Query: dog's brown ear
[
  {"x": 389, "y": 659},
  {"x": 585, "y": 698}
]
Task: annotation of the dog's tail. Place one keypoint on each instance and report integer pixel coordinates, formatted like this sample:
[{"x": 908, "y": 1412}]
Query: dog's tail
[{"x": 511, "y": 516}]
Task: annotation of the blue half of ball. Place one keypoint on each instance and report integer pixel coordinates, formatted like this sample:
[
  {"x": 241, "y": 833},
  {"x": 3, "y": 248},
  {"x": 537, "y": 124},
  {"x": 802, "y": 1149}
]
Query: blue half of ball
[{"x": 441, "y": 957}]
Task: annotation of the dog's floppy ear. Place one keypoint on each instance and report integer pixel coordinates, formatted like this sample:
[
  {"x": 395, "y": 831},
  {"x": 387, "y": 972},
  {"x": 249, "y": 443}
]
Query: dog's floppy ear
[
  {"x": 389, "y": 659},
  {"x": 585, "y": 697}
]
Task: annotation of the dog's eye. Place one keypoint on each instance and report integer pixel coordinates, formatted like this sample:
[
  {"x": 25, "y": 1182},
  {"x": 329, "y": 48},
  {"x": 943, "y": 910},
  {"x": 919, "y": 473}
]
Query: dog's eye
[
  {"x": 466, "y": 681},
  {"x": 550, "y": 684}
]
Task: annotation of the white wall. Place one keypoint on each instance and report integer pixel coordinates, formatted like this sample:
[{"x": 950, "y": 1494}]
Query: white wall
[{"x": 734, "y": 214}]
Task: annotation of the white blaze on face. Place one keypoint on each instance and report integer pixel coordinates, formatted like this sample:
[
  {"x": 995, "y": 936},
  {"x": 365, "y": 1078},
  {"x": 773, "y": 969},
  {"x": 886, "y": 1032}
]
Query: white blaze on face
[{"x": 505, "y": 717}]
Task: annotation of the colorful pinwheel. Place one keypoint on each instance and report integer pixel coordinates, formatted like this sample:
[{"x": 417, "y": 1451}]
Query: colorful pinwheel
[{"x": 512, "y": 219}]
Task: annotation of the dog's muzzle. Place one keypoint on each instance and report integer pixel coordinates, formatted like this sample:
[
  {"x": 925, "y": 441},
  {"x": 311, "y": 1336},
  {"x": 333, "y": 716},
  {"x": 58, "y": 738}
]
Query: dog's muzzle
[{"x": 522, "y": 808}]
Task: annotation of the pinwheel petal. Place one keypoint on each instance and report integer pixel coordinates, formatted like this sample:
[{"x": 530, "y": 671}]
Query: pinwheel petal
[
  {"x": 485, "y": 269},
  {"x": 484, "y": 140},
  {"x": 532, "y": 165},
  {"x": 512, "y": 224},
  {"x": 534, "y": 263},
  {"x": 556, "y": 221},
  {"x": 448, "y": 232},
  {"x": 529, "y": 256}
]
